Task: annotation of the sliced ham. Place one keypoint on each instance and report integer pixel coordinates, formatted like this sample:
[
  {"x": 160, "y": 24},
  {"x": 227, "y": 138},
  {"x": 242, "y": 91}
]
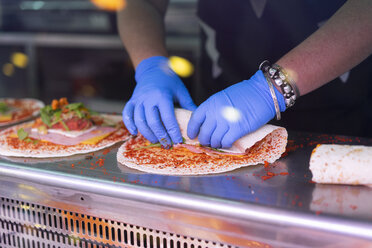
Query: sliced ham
[
  {"x": 191, "y": 148},
  {"x": 69, "y": 141}
]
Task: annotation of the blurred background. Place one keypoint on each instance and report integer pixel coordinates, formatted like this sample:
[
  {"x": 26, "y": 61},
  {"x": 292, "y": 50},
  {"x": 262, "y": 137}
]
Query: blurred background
[{"x": 55, "y": 48}]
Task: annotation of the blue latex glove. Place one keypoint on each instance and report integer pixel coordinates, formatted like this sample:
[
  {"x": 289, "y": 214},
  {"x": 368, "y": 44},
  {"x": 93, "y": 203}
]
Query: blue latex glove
[
  {"x": 234, "y": 112},
  {"x": 150, "y": 110}
]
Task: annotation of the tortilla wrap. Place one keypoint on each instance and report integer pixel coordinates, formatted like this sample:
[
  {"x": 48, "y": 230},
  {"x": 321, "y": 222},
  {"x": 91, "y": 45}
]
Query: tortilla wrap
[
  {"x": 264, "y": 145},
  {"x": 10, "y": 146},
  {"x": 341, "y": 164},
  {"x": 30, "y": 105}
]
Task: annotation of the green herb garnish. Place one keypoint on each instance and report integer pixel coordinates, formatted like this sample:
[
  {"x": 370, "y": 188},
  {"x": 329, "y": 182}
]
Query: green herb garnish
[
  {"x": 78, "y": 113},
  {"x": 57, "y": 114},
  {"x": 51, "y": 117},
  {"x": 46, "y": 114},
  {"x": 183, "y": 140},
  {"x": 148, "y": 146},
  {"x": 64, "y": 125},
  {"x": 28, "y": 140},
  {"x": 74, "y": 106},
  {"x": 3, "y": 107},
  {"x": 57, "y": 117},
  {"x": 92, "y": 112},
  {"x": 22, "y": 134},
  {"x": 215, "y": 149}
]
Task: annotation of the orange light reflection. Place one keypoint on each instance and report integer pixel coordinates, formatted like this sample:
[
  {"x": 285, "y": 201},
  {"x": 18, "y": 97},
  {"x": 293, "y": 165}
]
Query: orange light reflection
[{"x": 109, "y": 5}]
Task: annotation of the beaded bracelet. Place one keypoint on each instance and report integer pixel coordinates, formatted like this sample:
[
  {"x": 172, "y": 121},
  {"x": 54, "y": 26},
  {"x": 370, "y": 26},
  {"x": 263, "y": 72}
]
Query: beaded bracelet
[{"x": 281, "y": 78}]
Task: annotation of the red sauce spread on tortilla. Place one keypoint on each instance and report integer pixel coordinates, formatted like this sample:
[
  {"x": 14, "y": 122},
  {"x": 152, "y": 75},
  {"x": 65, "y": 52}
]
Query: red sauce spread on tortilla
[{"x": 182, "y": 157}]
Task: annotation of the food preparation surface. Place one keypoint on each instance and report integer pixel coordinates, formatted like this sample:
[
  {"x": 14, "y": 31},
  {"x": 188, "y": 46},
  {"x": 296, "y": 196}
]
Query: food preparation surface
[{"x": 283, "y": 186}]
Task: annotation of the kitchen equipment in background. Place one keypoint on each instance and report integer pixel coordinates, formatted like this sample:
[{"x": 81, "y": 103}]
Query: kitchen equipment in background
[{"x": 57, "y": 16}]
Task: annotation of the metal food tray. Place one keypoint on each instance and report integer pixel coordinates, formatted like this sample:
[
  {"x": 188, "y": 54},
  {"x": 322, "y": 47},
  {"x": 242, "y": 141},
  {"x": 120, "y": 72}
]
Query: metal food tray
[{"x": 92, "y": 201}]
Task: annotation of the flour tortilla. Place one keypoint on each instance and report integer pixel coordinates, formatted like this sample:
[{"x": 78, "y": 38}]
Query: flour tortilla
[
  {"x": 33, "y": 105},
  {"x": 264, "y": 145},
  {"x": 341, "y": 164},
  {"x": 48, "y": 150}
]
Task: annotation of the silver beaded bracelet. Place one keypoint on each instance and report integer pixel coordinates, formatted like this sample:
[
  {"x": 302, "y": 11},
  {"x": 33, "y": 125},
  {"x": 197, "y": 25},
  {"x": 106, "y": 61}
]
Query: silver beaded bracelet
[{"x": 279, "y": 76}]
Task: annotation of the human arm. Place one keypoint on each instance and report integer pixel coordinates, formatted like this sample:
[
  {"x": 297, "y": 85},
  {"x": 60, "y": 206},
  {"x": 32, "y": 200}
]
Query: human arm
[
  {"x": 340, "y": 44},
  {"x": 150, "y": 109},
  {"x": 343, "y": 42},
  {"x": 141, "y": 28}
]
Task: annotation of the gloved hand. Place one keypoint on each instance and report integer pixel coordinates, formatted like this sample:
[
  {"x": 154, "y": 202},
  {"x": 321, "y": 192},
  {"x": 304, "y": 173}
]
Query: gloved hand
[
  {"x": 234, "y": 112},
  {"x": 150, "y": 110}
]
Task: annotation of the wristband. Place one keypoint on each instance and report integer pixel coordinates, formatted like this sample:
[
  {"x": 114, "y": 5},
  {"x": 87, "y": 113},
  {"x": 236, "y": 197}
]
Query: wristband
[{"x": 276, "y": 105}]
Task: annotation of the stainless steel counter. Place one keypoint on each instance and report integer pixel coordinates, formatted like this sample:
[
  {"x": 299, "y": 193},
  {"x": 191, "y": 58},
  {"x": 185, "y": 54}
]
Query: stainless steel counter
[{"x": 242, "y": 208}]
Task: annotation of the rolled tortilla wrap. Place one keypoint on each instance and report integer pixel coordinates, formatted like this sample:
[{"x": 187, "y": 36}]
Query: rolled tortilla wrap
[
  {"x": 264, "y": 145},
  {"x": 341, "y": 164}
]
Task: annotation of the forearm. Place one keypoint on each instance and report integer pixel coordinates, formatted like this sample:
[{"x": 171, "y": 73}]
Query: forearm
[
  {"x": 141, "y": 28},
  {"x": 339, "y": 45}
]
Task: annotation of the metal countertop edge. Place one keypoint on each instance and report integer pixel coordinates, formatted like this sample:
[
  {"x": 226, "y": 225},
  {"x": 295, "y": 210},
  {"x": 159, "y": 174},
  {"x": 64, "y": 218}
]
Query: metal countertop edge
[{"x": 187, "y": 201}]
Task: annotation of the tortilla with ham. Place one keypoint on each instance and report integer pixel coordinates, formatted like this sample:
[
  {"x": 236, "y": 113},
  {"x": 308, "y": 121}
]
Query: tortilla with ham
[
  {"x": 63, "y": 129},
  {"x": 341, "y": 164},
  {"x": 60, "y": 145},
  {"x": 264, "y": 145},
  {"x": 14, "y": 111}
]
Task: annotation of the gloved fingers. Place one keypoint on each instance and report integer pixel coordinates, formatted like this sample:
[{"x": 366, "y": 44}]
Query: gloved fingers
[
  {"x": 230, "y": 137},
  {"x": 221, "y": 129},
  {"x": 206, "y": 130},
  {"x": 195, "y": 122},
  {"x": 185, "y": 100},
  {"x": 128, "y": 120},
  {"x": 156, "y": 126},
  {"x": 170, "y": 122},
  {"x": 141, "y": 123}
]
